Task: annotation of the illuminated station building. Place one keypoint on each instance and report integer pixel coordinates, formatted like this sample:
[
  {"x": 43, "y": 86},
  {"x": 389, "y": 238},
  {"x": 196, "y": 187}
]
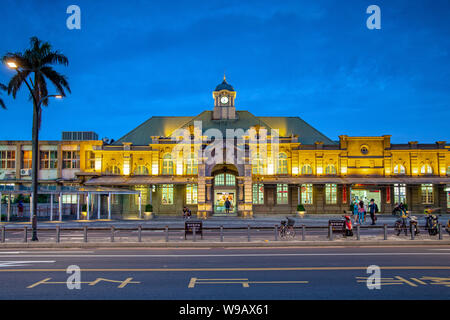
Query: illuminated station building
[{"x": 297, "y": 166}]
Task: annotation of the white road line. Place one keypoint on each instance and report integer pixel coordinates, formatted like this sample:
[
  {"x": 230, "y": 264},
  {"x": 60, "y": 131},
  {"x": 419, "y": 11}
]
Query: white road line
[
  {"x": 38, "y": 252},
  {"x": 234, "y": 255},
  {"x": 20, "y": 263}
]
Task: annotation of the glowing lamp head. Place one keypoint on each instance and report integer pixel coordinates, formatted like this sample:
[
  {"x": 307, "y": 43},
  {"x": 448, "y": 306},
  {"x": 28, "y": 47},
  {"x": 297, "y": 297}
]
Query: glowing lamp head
[{"x": 11, "y": 64}]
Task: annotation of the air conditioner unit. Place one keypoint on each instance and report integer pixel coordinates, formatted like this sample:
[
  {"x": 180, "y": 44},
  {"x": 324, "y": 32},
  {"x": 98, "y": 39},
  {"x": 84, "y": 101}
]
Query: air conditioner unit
[{"x": 25, "y": 172}]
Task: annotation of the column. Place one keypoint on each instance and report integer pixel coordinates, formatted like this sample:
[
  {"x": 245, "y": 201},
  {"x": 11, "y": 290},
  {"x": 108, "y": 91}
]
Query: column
[
  {"x": 109, "y": 206},
  {"x": 98, "y": 205},
  {"x": 88, "y": 209},
  {"x": 9, "y": 207},
  {"x": 31, "y": 209},
  {"x": 78, "y": 206},
  {"x": 60, "y": 207},
  {"x": 51, "y": 207},
  {"x": 0, "y": 206},
  {"x": 140, "y": 205}
]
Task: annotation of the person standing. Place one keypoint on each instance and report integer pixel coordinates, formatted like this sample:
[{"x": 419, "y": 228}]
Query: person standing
[
  {"x": 227, "y": 205},
  {"x": 361, "y": 212},
  {"x": 20, "y": 208},
  {"x": 373, "y": 209}
]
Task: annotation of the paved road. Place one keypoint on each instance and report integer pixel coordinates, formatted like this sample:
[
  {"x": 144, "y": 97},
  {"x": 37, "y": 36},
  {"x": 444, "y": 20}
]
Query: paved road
[{"x": 227, "y": 273}]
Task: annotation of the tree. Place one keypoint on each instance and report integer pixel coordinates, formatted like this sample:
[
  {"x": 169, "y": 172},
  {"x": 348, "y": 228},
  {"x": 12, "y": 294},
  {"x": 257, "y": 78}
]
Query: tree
[
  {"x": 34, "y": 68},
  {"x": 4, "y": 88}
]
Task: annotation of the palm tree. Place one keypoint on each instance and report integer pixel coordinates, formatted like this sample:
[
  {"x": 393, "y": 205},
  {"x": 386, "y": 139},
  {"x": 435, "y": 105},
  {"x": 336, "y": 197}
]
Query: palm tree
[
  {"x": 4, "y": 88},
  {"x": 34, "y": 68}
]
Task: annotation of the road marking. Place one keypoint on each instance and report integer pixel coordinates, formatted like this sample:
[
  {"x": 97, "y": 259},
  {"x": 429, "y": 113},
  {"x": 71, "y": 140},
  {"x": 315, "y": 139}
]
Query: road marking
[
  {"x": 20, "y": 263},
  {"x": 233, "y": 269},
  {"x": 91, "y": 283},
  {"x": 245, "y": 282},
  {"x": 237, "y": 255}
]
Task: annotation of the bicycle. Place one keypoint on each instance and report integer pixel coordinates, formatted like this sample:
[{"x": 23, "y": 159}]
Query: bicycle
[{"x": 286, "y": 230}]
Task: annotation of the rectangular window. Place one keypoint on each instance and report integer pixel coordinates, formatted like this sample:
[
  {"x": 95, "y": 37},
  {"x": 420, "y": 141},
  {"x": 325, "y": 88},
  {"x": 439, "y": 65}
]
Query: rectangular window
[
  {"x": 7, "y": 159},
  {"x": 306, "y": 193},
  {"x": 282, "y": 194},
  {"x": 167, "y": 193},
  {"x": 219, "y": 180},
  {"x": 90, "y": 160},
  {"x": 331, "y": 194},
  {"x": 144, "y": 198},
  {"x": 49, "y": 159},
  {"x": 230, "y": 180},
  {"x": 69, "y": 198},
  {"x": 448, "y": 199},
  {"x": 27, "y": 159},
  {"x": 191, "y": 194},
  {"x": 400, "y": 193},
  {"x": 427, "y": 193},
  {"x": 71, "y": 159},
  {"x": 258, "y": 193}
]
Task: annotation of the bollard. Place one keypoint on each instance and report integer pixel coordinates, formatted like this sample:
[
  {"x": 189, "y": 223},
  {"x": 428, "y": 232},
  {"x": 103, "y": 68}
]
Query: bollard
[
  {"x": 330, "y": 233},
  {"x": 221, "y": 233},
  {"x": 139, "y": 233},
  {"x": 85, "y": 233},
  {"x": 439, "y": 230},
  {"x": 25, "y": 234},
  {"x": 194, "y": 233},
  {"x": 412, "y": 231},
  {"x": 275, "y": 230},
  {"x": 167, "y": 233},
  {"x": 303, "y": 232},
  {"x": 112, "y": 233},
  {"x": 58, "y": 234},
  {"x": 385, "y": 231},
  {"x": 358, "y": 235},
  {"x": 248, "y": 233},
  {"x": 3, "y": 234}
]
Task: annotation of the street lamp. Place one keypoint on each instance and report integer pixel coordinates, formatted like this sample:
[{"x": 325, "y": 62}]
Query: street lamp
[{"x": 35, "y": 144}]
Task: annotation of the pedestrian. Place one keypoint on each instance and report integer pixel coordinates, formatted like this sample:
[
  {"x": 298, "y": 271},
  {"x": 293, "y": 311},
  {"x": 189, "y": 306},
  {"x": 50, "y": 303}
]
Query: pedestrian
[
  {"x": 227, "y": 205},
  {"x": 355, "y": 210},
  {"x": 186, "y": 213},
  {"x": 361, "y": 212},
  {"x": 20, "y": 208},
  {"x": 373, "y": 209}
]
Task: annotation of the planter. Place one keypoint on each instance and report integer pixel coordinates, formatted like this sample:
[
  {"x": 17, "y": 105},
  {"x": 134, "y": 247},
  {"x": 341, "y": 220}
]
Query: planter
[
  {"x": 301, "y": 213},
  {"x": 83, "y": 215},
  {"x": 148, "y": 215}
]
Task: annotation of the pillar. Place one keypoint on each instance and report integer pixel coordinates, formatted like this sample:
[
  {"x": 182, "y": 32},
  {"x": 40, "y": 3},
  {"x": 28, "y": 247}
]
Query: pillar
[
  {"x": 9, "y": 207},
  {"x": 60, "y": 207},
  {"x": 99, "y": 203},
  {"x": 78, "y": 207},
  {"x": 87, "y": 207},
  {"x": 109, "y": 206},
  {"x": 31, "y": 208},
  {"x": 140, "y": 205},
  {"x": 0, "y": 207}
]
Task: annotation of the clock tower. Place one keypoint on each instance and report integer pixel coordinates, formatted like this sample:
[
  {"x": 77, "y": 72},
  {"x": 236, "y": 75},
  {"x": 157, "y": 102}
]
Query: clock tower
[{"x": 224, "y": 96}]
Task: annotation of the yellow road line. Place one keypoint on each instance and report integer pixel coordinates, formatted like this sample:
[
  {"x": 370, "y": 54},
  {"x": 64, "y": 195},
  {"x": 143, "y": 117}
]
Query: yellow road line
[{"x": 233, "y": 269}]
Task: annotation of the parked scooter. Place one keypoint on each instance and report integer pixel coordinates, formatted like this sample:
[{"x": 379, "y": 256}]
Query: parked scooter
[
  {"x": 348, "y": 227},
  {"x": 432, "y": 224},
  {"x": 414, "y": 225}
]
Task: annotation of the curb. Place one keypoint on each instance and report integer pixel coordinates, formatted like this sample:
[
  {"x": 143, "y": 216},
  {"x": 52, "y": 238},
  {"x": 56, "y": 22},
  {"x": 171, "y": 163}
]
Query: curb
[{"x": 254, "y": 244}]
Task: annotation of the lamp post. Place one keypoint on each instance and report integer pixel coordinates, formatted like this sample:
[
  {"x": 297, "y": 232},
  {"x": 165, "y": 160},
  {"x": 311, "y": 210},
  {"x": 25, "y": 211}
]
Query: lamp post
[{"x": 35, "y": 144}]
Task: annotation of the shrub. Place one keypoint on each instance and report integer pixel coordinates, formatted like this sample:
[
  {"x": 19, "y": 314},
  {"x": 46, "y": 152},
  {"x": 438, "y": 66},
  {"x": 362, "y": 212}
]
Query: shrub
[
  {"x": 300, "y": 207},
  {"x": 148, "y": 208},
  {"x": 84, "y": 208}
]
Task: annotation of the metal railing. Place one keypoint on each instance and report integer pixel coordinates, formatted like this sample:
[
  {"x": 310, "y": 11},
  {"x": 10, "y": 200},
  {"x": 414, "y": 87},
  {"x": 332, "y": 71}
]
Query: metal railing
[{"x": 220, "y": 233}]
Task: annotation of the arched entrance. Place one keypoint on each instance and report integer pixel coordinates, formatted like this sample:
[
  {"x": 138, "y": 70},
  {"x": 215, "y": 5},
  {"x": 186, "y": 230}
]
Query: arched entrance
[{"x": 225, "y": 189}]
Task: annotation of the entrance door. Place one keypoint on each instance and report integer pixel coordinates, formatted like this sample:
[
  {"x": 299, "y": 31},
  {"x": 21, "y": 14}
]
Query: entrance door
[{"x": 220, "y": 198}]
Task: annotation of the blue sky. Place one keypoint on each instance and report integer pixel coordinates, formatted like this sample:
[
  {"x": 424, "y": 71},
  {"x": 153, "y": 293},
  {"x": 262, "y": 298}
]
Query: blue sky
[{"x": 315, "y": 59}]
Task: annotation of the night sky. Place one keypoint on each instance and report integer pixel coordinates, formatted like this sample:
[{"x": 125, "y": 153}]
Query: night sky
[{"x": 314, "y": 59}]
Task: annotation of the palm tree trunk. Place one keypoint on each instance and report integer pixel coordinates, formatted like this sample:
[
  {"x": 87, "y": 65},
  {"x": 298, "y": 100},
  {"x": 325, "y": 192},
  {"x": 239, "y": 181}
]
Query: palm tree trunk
[{"x": 35, "y": 169}]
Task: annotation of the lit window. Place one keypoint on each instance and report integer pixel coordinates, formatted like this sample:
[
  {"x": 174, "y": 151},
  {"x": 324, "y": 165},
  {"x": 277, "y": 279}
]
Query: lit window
[
  {"x": 426, "y": 169},
  {"x": 258, "y": 193},
  {"x": 69, "y": 198},
  {"x": 71, "y": 160},
  {"x": 306, "y": 193},
  {"x": 113, "y": 170},
  {"x": 330, "y": 169},
  {"x": 167, "y": 193},
  {"x": 399, "y": 169},
  {"x": 306, "y": 169},
  {"x": 427, "y": 193},
  {"x": 399, "y": 193},
  {"x": 282, "y": 164},
  {"x": 330, "y": 193},
  {"x": 191, "y": 194},
  {"x": 141, "y": 171},
  {"x": 219, "y": 180},
  {"x": 7, "y": 159},
  {"x": 282, "y": 194},
  {"x": 27, "y": 160},
  {"x": 90, "y": 160},
  {"x": 225, "y": 179},
  {"x": 144, "y": 197},
  {"x": 167, "y": 164},
  {"x": 257, "y": 164},
  {"x": 49, "y": 159},
  {"x": 191, "y": 165},
  {"x": 230, "y": 180}
]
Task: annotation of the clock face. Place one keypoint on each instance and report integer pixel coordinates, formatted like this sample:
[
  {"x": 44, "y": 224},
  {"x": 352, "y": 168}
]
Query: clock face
[{"x": 224, "y": 100}]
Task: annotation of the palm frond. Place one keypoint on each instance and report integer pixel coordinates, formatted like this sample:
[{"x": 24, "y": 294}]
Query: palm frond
[{"x": 58, "y": 80}]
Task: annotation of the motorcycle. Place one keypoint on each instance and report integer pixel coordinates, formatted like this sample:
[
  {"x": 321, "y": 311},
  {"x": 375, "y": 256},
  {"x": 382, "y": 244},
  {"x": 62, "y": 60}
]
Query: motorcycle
[
  {"x": 348, "y": 227},
  {"x": 432, "y": 224},
  {"x": 414, "y": 225}
]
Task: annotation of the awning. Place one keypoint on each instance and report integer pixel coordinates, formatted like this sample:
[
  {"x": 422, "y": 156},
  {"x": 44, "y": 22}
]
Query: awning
[
  {"x": 354, "y": 180},
  {"x": 138, "y": 180}
]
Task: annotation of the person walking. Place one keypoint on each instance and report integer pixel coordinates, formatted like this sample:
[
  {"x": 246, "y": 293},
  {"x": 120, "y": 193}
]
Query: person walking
[
  {"x": 373, "y": 209},
  {"x": 20, "y": 208},
  {"x": 355, "y": 210},
  {"x": 361, "y": 212}
]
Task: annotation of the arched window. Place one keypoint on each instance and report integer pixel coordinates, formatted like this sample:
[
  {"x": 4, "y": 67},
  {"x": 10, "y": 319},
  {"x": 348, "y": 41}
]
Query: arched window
[
  {"x": 140, "y": 171},
  {"x": 399, "y": 169},
  {"x": 113, "y": 170},
  {"x": 306, "y": 169},
  {"x": 225, "y": 179},
  {"x": 257, "y": 164},
  {"x": 167, "y": 167},
  {"x": 426, "y": 169},
  {"x": 191, "y": 165},
  {"x": 282, "y": 164},
  {"x": 330, "y": 169}
]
